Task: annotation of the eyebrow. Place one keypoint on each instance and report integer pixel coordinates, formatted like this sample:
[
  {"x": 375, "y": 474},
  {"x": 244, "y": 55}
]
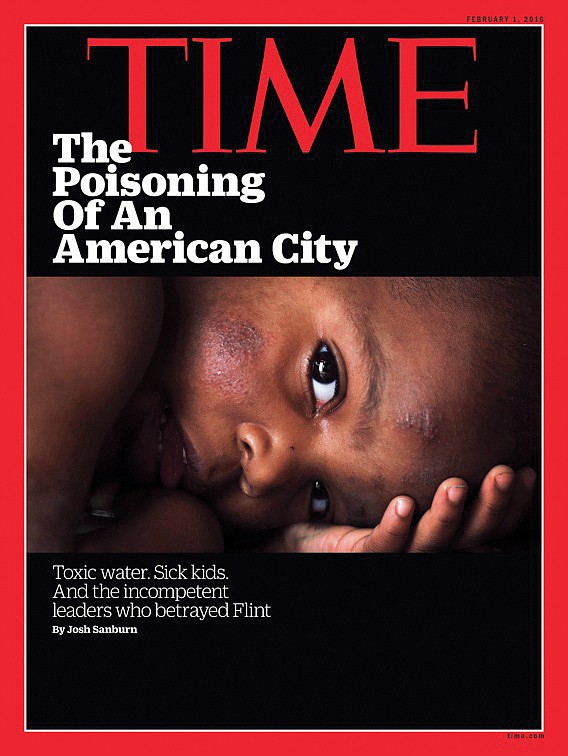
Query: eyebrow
[{"x": 375, "y": 378}]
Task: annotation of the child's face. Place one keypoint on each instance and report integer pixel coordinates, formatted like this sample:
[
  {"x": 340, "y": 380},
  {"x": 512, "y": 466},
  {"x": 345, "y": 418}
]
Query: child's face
[{"x": 277, "y": 384}]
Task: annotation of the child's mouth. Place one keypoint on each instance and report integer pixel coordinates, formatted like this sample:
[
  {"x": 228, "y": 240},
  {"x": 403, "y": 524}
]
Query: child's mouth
[
  {"x": 181, "y": 466},
  {"x": 173, "y": 456}
]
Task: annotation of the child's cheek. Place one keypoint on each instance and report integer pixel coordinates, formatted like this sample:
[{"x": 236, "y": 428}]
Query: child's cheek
[{"x": 227, "y": 352}]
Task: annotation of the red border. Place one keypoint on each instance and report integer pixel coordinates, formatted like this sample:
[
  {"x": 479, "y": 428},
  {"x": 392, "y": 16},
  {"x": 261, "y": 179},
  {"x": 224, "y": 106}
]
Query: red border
[{"x": 14, "y": 739}]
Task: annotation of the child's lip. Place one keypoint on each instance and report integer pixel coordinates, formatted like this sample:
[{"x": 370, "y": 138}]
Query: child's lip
[
  {"x": 179, "y": 461},
  {"x": 195, "y": 472},
  {"x": 195, "y": 475}
]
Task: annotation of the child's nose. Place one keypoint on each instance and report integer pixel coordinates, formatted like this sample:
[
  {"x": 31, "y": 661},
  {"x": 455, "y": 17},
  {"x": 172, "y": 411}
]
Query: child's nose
[{"x": 267, "y": 461}]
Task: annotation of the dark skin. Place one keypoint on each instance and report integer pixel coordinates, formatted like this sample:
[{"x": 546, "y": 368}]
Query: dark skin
[{"x": 234, "y": 368}]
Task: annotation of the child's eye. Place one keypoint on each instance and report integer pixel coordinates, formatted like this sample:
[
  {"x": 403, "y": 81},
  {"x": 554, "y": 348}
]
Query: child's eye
[
  {"x": 324, "y": 375},
  {"x": 319, "y": 501}
]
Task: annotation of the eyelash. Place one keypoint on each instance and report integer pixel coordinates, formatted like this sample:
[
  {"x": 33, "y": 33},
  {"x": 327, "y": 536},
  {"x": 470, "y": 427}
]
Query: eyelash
[
  {"x": 317, "y": 368},
  {"x": 319, "y": 494}
]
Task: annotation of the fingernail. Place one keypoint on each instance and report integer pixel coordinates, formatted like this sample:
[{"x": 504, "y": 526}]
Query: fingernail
[
  {"x": 504, "y": 480},
  {"x": 531, "y": 476},
  {"x": 403, "y": 507},
  {"x": 456, "y": 494}
]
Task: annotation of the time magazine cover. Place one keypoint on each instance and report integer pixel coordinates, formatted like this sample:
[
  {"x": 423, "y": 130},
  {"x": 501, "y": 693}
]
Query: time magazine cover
[{"x": 283, "y": 290}]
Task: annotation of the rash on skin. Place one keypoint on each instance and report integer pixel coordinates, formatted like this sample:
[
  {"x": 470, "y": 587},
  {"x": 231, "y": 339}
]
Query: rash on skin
[
  {"x": 225, "y": 349},
  {"x": 424, "y": 422}
]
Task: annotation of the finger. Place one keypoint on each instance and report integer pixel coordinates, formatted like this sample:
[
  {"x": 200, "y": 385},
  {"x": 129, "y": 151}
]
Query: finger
[
  {"x": 521, "y": 500},
  {"x": 488, "y": 510},
  {"x": 439, "y": 525},
  {"x": 391, "y": 534},
  {"x": 312, "y": 538}
]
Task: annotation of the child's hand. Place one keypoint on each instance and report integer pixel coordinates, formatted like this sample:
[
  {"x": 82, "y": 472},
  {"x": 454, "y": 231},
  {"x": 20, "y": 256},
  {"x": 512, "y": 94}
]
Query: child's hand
[
  {"x": 155, "y": 520},
  {"x": 503, "y": 500}
]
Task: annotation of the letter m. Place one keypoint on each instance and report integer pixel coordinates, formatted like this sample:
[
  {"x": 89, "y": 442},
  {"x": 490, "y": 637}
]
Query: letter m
[{"x": 346, "y": 71}]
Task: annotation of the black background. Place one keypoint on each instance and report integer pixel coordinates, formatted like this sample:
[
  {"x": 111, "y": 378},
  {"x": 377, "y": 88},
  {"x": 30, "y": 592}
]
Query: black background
[
  {"x": 362, "y": 642},
  {"x": 354, "y": 641},
  {"x": 432, "y": 214}
]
